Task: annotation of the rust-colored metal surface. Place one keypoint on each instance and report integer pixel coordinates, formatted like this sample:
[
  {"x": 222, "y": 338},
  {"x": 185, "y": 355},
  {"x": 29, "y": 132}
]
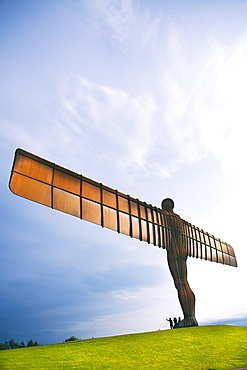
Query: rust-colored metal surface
[{"x": 45, "y": 182}]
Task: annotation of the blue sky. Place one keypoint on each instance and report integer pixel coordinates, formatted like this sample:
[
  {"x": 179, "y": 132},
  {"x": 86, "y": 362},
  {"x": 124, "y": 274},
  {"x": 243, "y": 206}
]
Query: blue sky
[{"x": 148, "y": 98}]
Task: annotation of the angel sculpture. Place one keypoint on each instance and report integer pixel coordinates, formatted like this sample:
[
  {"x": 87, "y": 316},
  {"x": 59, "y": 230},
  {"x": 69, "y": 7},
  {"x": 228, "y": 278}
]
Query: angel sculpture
[{"x": 45, "y": 182}]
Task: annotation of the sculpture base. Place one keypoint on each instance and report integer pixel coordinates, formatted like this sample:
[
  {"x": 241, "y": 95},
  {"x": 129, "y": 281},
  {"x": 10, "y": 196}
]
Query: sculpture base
[{"x": 186, "y": 323}]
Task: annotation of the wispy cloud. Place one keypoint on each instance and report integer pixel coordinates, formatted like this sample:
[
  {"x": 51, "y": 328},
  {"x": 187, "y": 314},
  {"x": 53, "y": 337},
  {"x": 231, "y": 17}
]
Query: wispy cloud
[
  {"x": 206, "y": 102},
  {"x": 110, "y": 119},
  {"x": 126, "y": 23},
  {"x": 223, "y": 106}
]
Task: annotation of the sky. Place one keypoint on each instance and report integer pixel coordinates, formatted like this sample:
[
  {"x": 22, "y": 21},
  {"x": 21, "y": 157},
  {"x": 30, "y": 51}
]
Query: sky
[{"x": 147, "y": 97}]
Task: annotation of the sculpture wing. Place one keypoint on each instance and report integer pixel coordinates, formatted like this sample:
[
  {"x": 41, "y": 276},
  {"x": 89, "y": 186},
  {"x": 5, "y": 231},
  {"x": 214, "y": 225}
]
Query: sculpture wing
[
  {"x": 45, "y": 182},
  {"x": 202, "y": 245}
]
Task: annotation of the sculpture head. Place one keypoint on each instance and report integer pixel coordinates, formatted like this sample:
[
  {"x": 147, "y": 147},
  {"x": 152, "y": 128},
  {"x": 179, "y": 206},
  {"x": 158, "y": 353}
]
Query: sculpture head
[{"x": 167, "y": 205}]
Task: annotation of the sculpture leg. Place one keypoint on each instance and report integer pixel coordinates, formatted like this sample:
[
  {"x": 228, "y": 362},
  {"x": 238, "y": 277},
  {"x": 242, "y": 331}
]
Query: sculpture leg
[{"x": 186, "y": 297}]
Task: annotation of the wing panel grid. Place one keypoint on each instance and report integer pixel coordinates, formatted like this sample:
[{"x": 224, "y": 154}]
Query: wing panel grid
[{"x": 200, "y": 244}]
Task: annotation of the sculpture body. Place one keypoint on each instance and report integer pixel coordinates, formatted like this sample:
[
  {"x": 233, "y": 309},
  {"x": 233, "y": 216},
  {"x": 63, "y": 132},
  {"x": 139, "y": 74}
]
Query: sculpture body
[
  {"x": 45, "y": 182},
  {"x": 177, "y": 257}
]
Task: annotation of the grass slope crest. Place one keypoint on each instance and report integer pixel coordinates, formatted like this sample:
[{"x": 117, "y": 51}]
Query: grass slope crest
[{"x": 197, "y": 348}]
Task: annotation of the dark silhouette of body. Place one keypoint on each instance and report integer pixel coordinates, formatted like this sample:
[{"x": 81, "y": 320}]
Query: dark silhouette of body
[
  {"x": 176, "y": 257},
  {"x": 171, "y": 323}
]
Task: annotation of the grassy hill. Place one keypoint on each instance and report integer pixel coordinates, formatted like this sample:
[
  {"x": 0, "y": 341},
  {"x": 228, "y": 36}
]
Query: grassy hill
[{"x": 199, "y": 348}]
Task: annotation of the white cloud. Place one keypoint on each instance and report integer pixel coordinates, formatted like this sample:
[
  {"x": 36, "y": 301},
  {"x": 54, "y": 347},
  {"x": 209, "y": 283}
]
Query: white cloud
[
  {"x": 125, "y": 22},
  {"x": 200, "y": 112},
  {"x": 206, "y": 107},
  {"x": 200, "y": 108},
  {"x": 123, "y": 295},
  {"x": 227, "y": 120},
  {"x": 119, "y": 124}
]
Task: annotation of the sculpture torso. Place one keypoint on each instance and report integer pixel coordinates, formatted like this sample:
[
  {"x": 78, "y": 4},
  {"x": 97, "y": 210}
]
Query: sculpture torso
[{"x": 176, "y": 248}]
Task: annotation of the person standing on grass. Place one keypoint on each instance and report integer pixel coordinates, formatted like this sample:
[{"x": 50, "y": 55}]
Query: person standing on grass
[{"x": 171, "y": 323}]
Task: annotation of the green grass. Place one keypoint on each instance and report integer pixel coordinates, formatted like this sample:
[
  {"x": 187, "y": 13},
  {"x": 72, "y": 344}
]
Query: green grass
[{"x": 198, "y": 348}]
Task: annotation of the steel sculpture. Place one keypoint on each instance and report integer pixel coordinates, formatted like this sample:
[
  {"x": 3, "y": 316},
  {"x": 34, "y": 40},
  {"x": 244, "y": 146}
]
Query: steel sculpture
[{"x": 45, "y": 182}]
